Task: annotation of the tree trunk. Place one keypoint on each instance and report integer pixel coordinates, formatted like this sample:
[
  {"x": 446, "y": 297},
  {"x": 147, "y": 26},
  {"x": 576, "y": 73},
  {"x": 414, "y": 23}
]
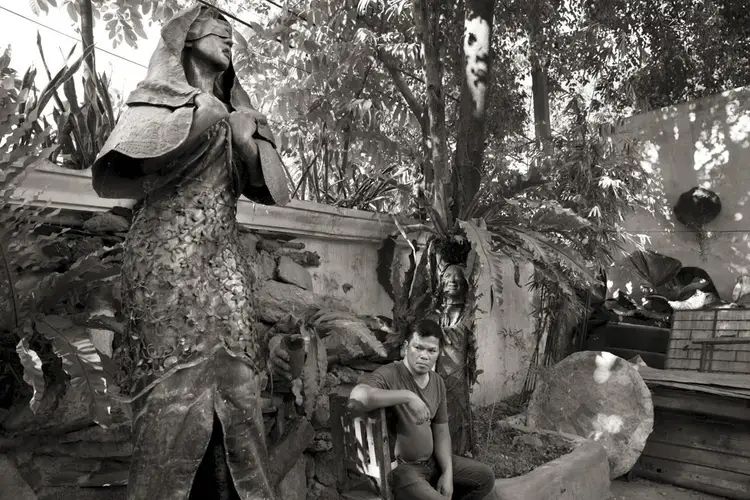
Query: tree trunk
[
  {"x": 426, "y": 16},
  {"x": 470, "y": 140},
  {"x": 540, "y": 93}
]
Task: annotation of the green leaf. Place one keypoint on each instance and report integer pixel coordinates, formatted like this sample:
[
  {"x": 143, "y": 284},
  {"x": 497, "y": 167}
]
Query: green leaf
[
  {"x": 32, "y": 372},
  {"x": 81, "y": 361},
  {"x": 490, "y": 260},
  {"x": 551, "y": 215}
]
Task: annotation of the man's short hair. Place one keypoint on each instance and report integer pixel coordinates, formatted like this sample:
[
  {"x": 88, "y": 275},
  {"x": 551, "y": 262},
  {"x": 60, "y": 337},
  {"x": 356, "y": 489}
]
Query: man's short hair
[{"x": 427, "y": 328}]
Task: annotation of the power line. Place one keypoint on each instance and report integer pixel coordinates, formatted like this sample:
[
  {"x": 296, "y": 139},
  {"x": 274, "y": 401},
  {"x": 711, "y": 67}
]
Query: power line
[{"x": 70, "y": 36}]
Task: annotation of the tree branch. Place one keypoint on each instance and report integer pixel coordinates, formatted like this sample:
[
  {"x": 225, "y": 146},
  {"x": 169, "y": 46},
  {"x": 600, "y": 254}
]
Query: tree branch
[{"x": 390, "y": 65}]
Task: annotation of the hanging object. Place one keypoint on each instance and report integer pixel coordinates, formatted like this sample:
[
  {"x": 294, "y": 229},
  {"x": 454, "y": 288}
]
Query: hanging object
[{"x": 696, "y": 208}]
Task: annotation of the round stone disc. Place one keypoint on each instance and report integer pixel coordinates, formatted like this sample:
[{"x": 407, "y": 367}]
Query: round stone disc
[{"x": 598, "y": 396}]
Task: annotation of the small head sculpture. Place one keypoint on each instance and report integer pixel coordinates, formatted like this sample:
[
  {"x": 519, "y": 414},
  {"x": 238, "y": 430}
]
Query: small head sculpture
[
  {"x": 209, "y": 39},
  {"x": 453, "y": 283}
]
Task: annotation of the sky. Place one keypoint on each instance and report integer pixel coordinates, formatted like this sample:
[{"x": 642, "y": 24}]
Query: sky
[{"x": 21, "y": 35}]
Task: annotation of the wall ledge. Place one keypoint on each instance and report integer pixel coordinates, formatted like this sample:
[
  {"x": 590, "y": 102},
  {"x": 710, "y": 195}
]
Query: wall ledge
[{"x": 71, "y": 190}]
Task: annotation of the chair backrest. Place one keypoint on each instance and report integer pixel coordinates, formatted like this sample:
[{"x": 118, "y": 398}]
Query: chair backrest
[{"x": 361, "y": 440}]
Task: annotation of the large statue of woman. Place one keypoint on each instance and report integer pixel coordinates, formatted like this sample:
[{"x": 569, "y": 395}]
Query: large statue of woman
[{"x": 187, "y": 146}]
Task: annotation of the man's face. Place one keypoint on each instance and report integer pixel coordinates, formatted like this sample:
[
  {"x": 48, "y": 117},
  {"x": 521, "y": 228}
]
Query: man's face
[
  {"x": 453, "y": 282},
  {"x": 422, "y": 353},
  {"x": 214, "y": 49}
]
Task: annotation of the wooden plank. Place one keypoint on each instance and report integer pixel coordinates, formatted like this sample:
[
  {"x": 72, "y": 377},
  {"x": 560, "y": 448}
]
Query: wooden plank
[
  {"x": 700, "y": 403},
  {"x": 691, "y": 377},
  {"x": 695, "y": 477},
  {"x": 731, "y": 393},
  {"x": 701, "y": 432},
  {"x": 696, "y": 456}
]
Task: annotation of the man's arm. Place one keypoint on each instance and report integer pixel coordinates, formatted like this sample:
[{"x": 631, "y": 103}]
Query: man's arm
[
  {"x": 441, "y": 436},
  {"x": 373, "y": 398}
]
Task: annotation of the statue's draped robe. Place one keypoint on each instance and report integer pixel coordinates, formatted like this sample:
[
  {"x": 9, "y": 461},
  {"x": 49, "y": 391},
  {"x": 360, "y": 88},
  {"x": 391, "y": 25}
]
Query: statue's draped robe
[
  {"x": 455, "y": 367},
  {"x": 191, "y": 358}
]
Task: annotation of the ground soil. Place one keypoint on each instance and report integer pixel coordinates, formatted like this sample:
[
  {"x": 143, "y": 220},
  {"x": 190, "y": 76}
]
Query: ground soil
[
  {"x": 511, "y": 452},
  {"x": 641, "y": 489}
]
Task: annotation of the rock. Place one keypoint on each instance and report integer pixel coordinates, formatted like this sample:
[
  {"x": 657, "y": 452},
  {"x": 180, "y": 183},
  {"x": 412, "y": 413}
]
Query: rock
[
  {"x": 305, "y": 258},
  {"x": 270, "y": 246},
  {"x": 57, "y": 471},
  {"x": 291, "y": 272},
  {"x": 107, "y": 222},
  {"x": 321, "y": 417},
  {"x": 346, "y": 375},
  {"x": 329, "y": 493},
  {"x": 285, "y": 454},
  {"x": 322, "y": 442},
  {"x": 249, "y": 242},
  {"x": 74, "y": 493},
  {"x": 276, "y": 300},
  {"x": 117, "y": 433},
  {"x": 309, "y": 469},
  {"x": 294, "y": 484},
  {"x": 326, "y": 465},
  {"x": 12, "y": 485},
  {"x": 314, "y": 490},
  {"x": 88, "y": 449},
  {"x": 266, "y": 264}
]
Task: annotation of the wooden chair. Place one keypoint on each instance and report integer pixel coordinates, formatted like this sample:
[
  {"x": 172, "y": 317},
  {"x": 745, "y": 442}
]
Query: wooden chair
[{"x": 361, "y": 441}]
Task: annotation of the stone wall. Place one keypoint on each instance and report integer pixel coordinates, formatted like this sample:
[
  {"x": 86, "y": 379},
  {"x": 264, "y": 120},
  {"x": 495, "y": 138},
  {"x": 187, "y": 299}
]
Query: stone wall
[
  {"x": 306, "y": 256},
  {"x": 59, "y": 450}
]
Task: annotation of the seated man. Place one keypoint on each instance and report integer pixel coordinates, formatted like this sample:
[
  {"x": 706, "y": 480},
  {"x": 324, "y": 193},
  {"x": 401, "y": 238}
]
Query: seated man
[{"x": 418, "y": 417}]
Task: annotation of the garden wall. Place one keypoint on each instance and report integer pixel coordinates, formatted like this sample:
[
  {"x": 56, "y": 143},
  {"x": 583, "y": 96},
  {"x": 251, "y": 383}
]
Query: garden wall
[
  {"x": 347, "y": 242},
  {"x": 703, "y": 143}
]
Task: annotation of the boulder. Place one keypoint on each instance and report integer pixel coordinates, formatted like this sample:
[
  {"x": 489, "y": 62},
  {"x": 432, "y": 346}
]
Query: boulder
[
  {"x": 12, "y": 485},
  {"x": 294, "y": 484},
  {"x": 292, "y": 273},
  {"x": 107, "y": 222},
  {"x": 276, "y": 300},
  {"x": 326, "y": 465}
]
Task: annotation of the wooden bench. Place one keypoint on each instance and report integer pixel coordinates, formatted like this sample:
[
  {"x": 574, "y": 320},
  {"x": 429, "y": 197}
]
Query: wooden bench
[{"x": 361, "y": 441}]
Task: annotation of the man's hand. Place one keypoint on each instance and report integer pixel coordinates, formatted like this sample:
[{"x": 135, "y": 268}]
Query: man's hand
[
  {"x": 280, "y": 358},
  {"x": 419, "y": 408},
  {"x": 445, "y": 484}
]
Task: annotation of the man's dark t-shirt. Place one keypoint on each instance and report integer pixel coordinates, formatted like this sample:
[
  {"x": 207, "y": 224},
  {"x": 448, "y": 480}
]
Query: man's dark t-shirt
[{"x": 413, "y": 442}]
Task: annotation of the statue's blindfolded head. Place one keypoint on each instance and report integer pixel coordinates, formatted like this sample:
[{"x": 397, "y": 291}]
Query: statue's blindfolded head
[{"x": 207, "y": 24}]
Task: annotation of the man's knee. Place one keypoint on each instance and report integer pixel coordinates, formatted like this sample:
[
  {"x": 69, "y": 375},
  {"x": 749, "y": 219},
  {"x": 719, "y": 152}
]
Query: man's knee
[{"x": 485, "y": 477}]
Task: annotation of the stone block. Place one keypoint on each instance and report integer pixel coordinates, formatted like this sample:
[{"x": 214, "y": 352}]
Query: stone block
[
  {"x": 12, "y": 485},
  {"x": 292, "y": 273},
  {"x": 107, "y": 222},
  {"x": 582, "y": 474},
  {"x": 326, "y": 465},
  {"x": 294, "y": 483}
]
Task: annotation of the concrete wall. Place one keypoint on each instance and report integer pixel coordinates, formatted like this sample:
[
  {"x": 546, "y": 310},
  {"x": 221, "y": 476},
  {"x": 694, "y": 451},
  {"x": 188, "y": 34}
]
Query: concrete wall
[
  {"x": 505, "y": 339},
  {"x": 701, "y": 143},
  {"x": 347, "y": 242}
]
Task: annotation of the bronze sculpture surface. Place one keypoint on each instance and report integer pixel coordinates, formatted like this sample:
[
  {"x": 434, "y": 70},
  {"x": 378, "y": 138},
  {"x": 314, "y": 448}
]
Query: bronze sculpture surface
[
  {"x": 187, "y": 146},
  {"x": 454, "y": 363}
]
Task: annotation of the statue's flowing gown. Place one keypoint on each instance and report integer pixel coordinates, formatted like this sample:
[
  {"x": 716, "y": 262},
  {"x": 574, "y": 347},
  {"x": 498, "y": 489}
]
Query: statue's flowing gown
[{"x": 188, "y": 297}]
